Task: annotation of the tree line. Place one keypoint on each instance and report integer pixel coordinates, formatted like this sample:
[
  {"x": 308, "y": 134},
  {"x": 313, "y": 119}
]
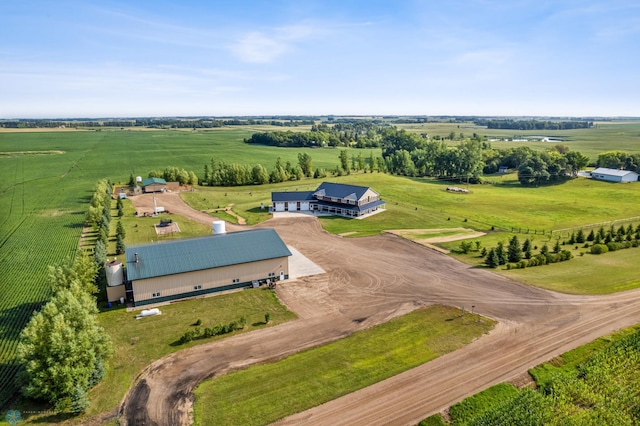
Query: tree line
[
  {"x": 174, "y": 123},
  {"x": 361, "y": 134},
  {"x": 220, "y": 173},
  {"x": 536, "y": 167},
  {"x": 619, "y": 160},
  {"x": 534, "y": 124},
  {"x": 172, "y": 174},
  {"x": 63, "y": 349}
]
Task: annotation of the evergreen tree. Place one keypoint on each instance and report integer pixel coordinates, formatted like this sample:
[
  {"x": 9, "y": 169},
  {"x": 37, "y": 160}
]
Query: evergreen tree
[
  {"x": 572, "y": 238},
  {"x": 502, "y": 255},
  {"x": 556, "y": 247},
  {"x": 514, "y": 250},
  {"x": 580, "y": 237},
  {"x": 132, "y": 181},
  {"x": 492, "y": 260},
  {"x": 591, "y": 236},
  {"x": 601, "y": 233},
  {"x": 79, "y": 400},
  {"x": 120, "y": 246},
  {"x": 526, "y": 246},
  {"x": 100, "y": 254},
  {"x": 120, "y": 229},
  {"x": 544, "y": 250}
]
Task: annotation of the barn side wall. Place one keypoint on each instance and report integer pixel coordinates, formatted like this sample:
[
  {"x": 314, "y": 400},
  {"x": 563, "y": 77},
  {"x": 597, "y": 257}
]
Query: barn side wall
[{"x": 172, "y": 287}]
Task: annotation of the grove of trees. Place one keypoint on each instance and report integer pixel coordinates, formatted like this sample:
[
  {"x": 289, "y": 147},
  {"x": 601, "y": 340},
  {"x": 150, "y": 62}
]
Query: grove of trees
[
  {"x": 175, "y": 174},
  {"x": 534, "y": 124},
  {"x": 63, "y": 349}
]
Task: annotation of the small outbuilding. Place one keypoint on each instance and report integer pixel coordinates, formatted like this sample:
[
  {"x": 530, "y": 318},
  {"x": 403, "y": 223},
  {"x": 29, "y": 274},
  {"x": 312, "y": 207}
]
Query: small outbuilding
[
  {"x": 614, "y": 175},
  {"x": 154, "y": 185}
]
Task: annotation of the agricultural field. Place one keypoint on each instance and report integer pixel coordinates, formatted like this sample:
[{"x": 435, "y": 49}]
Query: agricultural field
[
  {"x": 592, "y": 384},
  {"x": 47, "y": 178},
  {"x": 607, "y": 136}
]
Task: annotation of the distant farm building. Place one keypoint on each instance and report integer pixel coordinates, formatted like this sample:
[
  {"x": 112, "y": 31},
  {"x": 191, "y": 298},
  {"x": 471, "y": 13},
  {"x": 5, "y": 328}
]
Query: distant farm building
[
  {"x": 614, "y": 175},
  {"x": 160, "y": 272},
  {"x": 154, "y": 185},
  {"x": 503, "y": 169},
  {"x": 334, "y": 198}
]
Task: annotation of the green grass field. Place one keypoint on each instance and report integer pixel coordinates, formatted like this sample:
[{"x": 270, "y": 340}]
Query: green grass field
[
  {"x": 608, "y": 136},
  {"x": 321, "y": 374},
  {"x": 47, "y": 178}
]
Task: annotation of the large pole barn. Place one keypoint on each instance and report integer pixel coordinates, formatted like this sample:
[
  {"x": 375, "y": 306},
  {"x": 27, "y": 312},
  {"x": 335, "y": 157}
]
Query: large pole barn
[{"x": 160, "y": 272}]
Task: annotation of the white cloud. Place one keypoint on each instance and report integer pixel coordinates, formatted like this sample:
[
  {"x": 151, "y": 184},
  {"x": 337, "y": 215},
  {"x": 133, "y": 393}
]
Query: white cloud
[
  {"x": 259, "y": 48},
  {"x": 268, "y": 45}
]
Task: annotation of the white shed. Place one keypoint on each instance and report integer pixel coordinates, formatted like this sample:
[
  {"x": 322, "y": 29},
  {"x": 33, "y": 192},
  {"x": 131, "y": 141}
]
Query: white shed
[{"x": 614, "y": 175}]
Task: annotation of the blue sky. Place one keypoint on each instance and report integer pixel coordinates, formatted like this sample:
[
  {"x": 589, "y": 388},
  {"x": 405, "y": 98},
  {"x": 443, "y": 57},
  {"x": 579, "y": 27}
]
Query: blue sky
[{"x": 167, "y": 58}]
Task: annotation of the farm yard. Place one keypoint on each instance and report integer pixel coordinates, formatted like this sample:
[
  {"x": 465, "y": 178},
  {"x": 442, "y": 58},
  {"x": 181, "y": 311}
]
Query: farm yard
[{"x": 45, "y": 199}]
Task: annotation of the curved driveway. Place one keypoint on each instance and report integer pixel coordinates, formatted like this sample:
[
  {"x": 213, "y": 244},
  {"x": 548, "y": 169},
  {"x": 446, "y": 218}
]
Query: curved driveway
[{"x": 368, "y": 281}]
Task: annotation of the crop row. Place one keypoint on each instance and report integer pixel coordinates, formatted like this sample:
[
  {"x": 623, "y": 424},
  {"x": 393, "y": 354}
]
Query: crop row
[
  {"x": 30, "y": 244},
  {"x": 603, "y": 390}
]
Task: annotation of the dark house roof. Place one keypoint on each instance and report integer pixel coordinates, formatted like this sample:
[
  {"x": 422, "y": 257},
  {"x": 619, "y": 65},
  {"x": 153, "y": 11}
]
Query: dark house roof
[
  {"x": 151, "y": 181},
  {"x": 194, "y": 254},
  {"x": 292, "y": 196},
  {"x": 339, "y": 190}
]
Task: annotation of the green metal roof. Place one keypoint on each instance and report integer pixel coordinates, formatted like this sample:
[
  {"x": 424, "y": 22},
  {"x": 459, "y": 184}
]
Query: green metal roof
[
  {"x": 194, "y": 254},
  {"x": 151, "y": 181}
]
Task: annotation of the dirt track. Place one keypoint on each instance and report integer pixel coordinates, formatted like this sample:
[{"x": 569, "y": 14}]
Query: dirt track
[{"x": 368, "y": 281}]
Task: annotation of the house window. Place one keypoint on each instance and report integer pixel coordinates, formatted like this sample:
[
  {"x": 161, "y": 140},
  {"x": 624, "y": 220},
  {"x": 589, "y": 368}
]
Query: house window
[
  {"x": 197, "y": 287},
  {"x": 272, "y": 274},
  {"x": 236, "y": 280},
  {"x": 155, "y": 294}
]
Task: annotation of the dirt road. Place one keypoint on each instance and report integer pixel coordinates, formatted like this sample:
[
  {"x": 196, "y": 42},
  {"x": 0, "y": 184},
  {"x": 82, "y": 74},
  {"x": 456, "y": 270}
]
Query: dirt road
[
  {"x": 368, "y": 281},
  {"x": 172, "y": 202}
]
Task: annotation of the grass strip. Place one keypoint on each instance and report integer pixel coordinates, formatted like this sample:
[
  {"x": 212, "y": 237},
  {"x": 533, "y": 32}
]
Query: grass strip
[{"x": 264, "y": 393}]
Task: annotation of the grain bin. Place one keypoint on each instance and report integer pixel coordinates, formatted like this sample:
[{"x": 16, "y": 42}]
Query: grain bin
[
  {"x": 115, "y": 273},
  {"x": 219, "y": 227}
]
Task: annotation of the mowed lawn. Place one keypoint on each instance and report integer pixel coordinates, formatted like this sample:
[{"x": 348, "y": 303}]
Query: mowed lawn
[
  {"x": 415, "y": 203},
  {"x": 262, "y": 394}
]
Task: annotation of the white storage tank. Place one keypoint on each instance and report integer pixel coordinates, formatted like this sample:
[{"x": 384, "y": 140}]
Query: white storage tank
[
  {"x": 115, "y": 273},
  {"x": 139, "y": 179},
  {"x": 218, "y": 227}
]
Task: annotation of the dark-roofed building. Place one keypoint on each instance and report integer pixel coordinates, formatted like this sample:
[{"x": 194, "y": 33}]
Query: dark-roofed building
[
  {"x": 154, "y": 185},
  {"x": 333, "y": 198},
  {"x": 177, "y": 269},
  {"x": 291, "y": 201}
]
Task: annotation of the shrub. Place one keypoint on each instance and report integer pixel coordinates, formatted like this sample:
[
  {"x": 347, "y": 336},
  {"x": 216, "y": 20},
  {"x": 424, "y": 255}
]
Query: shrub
[
  {"x": 613, "y": 246},
  {"x": 198, "y": 322},
  {"x": 599, "y": 249}
]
